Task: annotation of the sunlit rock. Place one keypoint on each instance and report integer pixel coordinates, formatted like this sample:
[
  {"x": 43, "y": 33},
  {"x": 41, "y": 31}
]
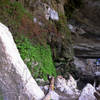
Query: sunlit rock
[
  {"x": 71, "y": 82},
  {"x": 54, "y": 95},
  {"x": 16, "y": 81},
  {"x": 50, "y": 13},
  {"x": 88, "y": 93},
  {"x": 68, "y": 87}
]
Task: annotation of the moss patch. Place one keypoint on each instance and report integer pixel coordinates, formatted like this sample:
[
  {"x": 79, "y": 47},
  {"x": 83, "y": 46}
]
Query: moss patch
[
  {"x": 36, "y": 54},
  {"x": 12, "y": 13}
]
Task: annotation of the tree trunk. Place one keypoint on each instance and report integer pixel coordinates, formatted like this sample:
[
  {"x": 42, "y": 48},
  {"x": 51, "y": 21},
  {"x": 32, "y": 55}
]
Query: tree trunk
[{"x": 16, "y": 82}]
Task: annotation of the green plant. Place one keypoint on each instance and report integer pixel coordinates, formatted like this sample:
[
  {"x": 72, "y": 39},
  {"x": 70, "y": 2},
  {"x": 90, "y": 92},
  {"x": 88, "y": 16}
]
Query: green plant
[
  {"x": 12, "y": 13},
  {"x": 36, "y": 53}
]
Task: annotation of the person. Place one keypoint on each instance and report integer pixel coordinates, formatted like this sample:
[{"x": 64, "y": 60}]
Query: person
[{"x": 98, "y": 62}]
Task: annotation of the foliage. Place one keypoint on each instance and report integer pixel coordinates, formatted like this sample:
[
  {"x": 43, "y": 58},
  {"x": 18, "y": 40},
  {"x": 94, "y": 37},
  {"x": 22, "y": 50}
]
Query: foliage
[
  {"x": 36, "y": 53},
  {"x": 12, "y": 13}
]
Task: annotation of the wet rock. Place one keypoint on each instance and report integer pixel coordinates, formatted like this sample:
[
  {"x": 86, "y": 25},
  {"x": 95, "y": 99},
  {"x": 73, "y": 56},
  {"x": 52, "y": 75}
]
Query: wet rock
[{"x": 88, "y": 93}]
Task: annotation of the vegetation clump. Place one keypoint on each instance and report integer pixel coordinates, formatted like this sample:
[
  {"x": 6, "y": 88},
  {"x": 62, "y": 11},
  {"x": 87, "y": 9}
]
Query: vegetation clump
[
  {"x": 12, "y": 13},
  {"x": 36, "y": 54}
]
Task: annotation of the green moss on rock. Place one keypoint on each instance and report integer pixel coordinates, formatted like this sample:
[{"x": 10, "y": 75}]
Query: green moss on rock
[
  {"x": 36, "y": 54},
  {"x": 12, "y": 13}
]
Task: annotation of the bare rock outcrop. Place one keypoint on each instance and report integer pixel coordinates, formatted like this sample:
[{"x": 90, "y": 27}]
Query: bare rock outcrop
[{"x": 16, "y": 82}]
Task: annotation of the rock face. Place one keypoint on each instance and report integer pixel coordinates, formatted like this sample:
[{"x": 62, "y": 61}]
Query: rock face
[
  {"x": 88, "y": 93},
  {"x": 16, "y": 81},
  {"x": 85, "y": 29},
  {"x": 87, "y": 38}
]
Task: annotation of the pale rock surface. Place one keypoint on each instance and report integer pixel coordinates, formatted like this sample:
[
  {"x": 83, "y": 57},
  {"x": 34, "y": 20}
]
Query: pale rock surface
[
  {"x": 54, "y": 95},
  {"x": 88, "y": 93},
  {"x": 16, "y": 82},
  {"x": 68, "y": 87},
  {"x": 50, "y": 13},
  {"x": 71, "y": 82}
]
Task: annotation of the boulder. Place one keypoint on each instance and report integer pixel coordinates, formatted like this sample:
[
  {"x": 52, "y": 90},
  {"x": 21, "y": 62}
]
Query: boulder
[
  {"x": 16, "y": 81},
  {"x": 88, "y": 93},
  {"x": 68, "y": 87},
  {"x": 71, "y": 82}
]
